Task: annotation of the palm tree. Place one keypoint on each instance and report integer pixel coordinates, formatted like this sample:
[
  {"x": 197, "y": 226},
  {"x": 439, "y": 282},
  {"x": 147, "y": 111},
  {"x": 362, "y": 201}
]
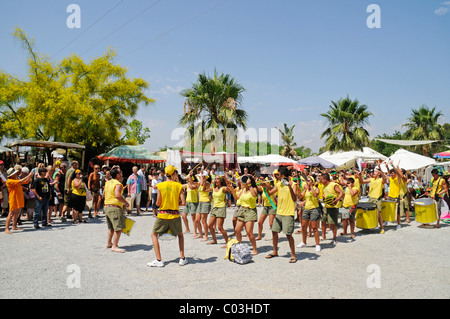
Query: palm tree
[
  {"x": 214, "y": 103},
  {"x": 289, "y": 145},
  {"x": 345, "y": 131},
  {"x": 423, "y": 125}
]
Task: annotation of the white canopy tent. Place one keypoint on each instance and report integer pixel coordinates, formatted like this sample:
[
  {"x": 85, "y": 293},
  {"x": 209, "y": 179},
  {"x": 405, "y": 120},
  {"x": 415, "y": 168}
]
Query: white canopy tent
[
  {"x": 266, "y": 159},
  {"x": 409, "y": 160},
  {"x": 353, "y": 158}
]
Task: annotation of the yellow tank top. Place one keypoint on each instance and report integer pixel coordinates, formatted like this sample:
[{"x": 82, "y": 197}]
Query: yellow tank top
[
  {"x": 192, "y": 195},
  {"x": 219, "y": 198},
  {"x": 394, "y": 187},
  {"x": 330, "y": 191},
  {"x": 170, "y": 196},
  {"x": 237, "y": 190},
  {"x": 311, "y": 201},
  {"x": 403, "y": 188},
  {"x": 437, "y": 186},
  {"x": 79, "y": 191},
  {"x": 203, "y": 196},
  {"x": 349, "y": 200},
  {"x": 285, "y": 206},
  {"x": 266, "y": 199},
  {"x": 375, "y": 188},
  {"x": 110, "y": 197},
  {"x": 247, "y": 199}
]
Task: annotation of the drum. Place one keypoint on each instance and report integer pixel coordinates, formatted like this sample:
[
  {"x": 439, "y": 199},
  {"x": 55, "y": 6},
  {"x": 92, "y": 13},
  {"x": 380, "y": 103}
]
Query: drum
[
  {"x": 425, "y": 210},
  {"x": 389, "y": 210},
  {"x": 366, "y": 215}
]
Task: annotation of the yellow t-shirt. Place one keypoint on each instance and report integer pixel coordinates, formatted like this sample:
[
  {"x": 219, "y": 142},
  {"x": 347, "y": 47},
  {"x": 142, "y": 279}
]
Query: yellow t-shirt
[
  {"x": 394, "y": 187},
  {"x": 437, "y": 186},
  {"x": 247, "y": 199},
  {"x": 311, "y": 201},
  {"x": 219, "y": 198},
  {"x": 203, "y": 196},
  {"x": 110, "y": 197},
  {"x": 376, "y": 188},
  {"x": 403, "y": 187},
  {"x": 170, "y": 197},
  {"x": 285, "y": 206},
  {"x": 79, "y": 191},
  {"x": 192, "y": 195},
  {"x": 349, "y": 200},
  {"x": 320, "y": 187}
]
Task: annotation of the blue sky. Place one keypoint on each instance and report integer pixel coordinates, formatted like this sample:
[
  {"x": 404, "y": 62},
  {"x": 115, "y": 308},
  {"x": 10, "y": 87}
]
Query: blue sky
[{"x": 292, "y": 56}]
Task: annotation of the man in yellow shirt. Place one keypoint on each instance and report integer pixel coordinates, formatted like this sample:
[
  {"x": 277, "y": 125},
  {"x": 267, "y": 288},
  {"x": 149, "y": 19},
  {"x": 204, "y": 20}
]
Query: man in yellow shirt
[
  {"x": 168, "y": 200},
  {"x": 284, "y": 218},
  {"x": 349, "y": 207},
  {"x": 332, "y": 193},
  {"x": 113, "y": 208},
  {"x": 438, "y": 189},
  {"x": 395, "y": 182}
]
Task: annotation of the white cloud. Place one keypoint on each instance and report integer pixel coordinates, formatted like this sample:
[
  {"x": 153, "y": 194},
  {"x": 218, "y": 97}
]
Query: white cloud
[
  {"x": 445, "y": 7},
  {"x": 168, "y": 90}
]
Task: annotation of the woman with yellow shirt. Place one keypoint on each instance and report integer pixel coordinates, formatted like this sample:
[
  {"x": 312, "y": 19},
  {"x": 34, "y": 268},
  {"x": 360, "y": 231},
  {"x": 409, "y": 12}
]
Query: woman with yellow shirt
[
  {"x": 78, "y": 198},
  {"x": 204, "y": 206},
  {"x": 311, "y": 213},
  {"x": 219, "y": 210},
  {"x": 268, "y": 210},
  {"x": 247, "y": 213},
  {"x": 349, "y": 205},
  {"x": 191, "y": 190}
]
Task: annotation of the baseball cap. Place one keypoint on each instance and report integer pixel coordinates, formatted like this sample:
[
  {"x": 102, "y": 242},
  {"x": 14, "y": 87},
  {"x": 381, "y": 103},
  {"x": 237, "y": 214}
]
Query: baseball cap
[{"x": 169, "y": 170}]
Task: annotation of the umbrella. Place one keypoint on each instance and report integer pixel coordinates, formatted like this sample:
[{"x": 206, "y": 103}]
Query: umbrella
[
  {"x": 316, "y": 161},
  {"x": 445, "y": 154},
  {"x": 130, "y": 153}
]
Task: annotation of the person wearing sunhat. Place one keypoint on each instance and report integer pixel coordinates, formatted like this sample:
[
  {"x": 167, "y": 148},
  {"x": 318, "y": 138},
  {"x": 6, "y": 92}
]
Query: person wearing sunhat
[
  {"x": 168, "y": 200},
  {"x": 16, "y": 197}
]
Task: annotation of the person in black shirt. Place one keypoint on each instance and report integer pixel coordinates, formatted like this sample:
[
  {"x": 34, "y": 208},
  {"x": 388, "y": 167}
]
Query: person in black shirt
[{"x": 41, "y": 188}]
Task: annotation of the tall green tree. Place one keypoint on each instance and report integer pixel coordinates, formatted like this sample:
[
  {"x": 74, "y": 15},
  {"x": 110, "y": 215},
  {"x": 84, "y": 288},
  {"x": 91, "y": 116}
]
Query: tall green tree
[
  {"x": 136, "y": 133},
  {"x": 423, "y": 125},
  {"x": 69, "y": 100},
  {"x": 287, "y": 137},
  {"x": 346, "y": 119},
  {"x": 214, "y": 103}
]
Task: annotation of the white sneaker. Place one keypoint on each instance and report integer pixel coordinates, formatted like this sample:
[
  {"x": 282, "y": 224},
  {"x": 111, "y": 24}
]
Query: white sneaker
[
  {"x": 398, "y": 227},
  {"x": 183, "y": 262},
  {"x": 301, "y": 245},
  {"x": 318, "y": 248},
  {"x": 156, "y": 263}
]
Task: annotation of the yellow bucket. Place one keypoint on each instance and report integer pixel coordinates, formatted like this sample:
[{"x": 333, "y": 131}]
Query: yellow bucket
[
  {"x": 388, "y": 210},
  {"x": 366, "y": 216},
  {"x": 425, "y": 210}
]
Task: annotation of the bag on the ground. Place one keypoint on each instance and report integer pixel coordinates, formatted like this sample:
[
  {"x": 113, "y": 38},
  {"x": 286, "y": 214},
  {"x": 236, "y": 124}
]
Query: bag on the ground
[{"x": 238, "y": 252}]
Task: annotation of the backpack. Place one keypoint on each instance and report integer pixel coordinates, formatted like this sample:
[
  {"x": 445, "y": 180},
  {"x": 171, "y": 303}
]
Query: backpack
[{"x": 240, "y": 253}]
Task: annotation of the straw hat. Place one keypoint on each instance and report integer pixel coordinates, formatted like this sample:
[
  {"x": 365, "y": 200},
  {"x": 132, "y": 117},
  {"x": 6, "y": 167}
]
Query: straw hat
[{"x": 13, "y": 171}]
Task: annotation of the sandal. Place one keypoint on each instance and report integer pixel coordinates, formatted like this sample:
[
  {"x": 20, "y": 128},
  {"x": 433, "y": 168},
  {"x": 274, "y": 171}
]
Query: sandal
[
  {"x": 293, "y": 260},
  {"x": 269, "y": 256}
]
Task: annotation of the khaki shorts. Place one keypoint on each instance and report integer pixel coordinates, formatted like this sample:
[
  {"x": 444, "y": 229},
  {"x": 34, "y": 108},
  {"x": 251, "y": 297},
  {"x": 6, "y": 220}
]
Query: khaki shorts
[
  {"x": 190, "y": 208},
  {"x": 115, "y": 219},
  {"x": 268, "y": 210},
  {"x": 247, "y": 214},
  {"x": 404, "y": 206},
  {"x": 311, "y": 214},
  {"x": 161, "y": 226},
  {"x": 204, "y": 207},
  {"x": 219, "y": 212},
  {"x": 283, "y": 224},
  {"x": 376, "y": 201}
]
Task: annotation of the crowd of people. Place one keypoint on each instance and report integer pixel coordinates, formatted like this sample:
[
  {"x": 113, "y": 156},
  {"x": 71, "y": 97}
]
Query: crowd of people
[{"x": 319, "y": 200}]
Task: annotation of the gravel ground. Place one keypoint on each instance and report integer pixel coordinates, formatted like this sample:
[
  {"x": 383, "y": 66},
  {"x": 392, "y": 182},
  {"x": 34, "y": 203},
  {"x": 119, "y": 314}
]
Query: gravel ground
[{"x": 411, "y": 262}]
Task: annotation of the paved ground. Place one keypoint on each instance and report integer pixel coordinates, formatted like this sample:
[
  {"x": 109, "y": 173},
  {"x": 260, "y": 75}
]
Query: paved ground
[{"x": 70, "y": 262}]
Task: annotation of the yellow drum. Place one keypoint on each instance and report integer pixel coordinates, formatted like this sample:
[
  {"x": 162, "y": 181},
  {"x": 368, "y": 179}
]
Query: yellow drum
[
  {"x": 366, "y": 215},
  {"x": 425, "y": 210},
  {"x": 388, "y": 210}
]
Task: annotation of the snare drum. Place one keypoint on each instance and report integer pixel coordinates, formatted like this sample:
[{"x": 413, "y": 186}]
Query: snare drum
[
  {"x": 425, "y": 210},
  {"x": 366, "y": 215},
  {"x": 389, "y": 210}
]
